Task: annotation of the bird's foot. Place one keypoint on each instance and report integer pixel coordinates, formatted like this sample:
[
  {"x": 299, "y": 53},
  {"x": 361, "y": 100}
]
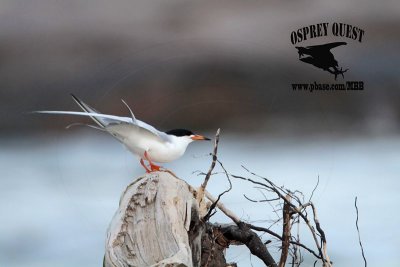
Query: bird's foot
[
  {"x": 144, "y": 166},
  {"x": 154, "y": 168}
]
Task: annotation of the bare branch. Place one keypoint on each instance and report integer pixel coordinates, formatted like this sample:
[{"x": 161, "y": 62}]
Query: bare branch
[
  {"x": 236, "y": 220},
  {"x": 359, "y": 237},
  {"x": 323, "y": 238},
  {"x": 315, "y": 187},
  {"x": 200, "y": 193},
  {"x": 290, "y": 202},
  {"x": 224, "y": 209},
  {"x": 212, "y": 207},
  {"x": 279, "y": 191},
  {"x": 285, "y": 233},
  {"x": 243, "y": 234},
  {"x": 262, "y": 200}
]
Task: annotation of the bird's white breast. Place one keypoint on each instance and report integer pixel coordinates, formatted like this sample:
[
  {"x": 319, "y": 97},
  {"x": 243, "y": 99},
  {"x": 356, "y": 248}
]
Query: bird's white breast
[{"x": 139, "y": 140}]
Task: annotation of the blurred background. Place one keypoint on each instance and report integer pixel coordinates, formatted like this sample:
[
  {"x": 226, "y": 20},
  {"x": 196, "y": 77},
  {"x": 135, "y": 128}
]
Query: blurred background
[{"x": 196, "y": 65}]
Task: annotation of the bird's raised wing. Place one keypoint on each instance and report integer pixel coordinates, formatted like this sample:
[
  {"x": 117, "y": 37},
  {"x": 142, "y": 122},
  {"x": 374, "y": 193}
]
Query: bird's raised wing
[
  {"x": 120, "y": 127},
  {"x": 115, "y": 123}
]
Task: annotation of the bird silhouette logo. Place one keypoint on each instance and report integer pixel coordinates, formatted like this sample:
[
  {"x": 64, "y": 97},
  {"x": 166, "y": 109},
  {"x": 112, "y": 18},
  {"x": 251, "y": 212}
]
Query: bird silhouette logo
[{"x": 321, "y": 57}]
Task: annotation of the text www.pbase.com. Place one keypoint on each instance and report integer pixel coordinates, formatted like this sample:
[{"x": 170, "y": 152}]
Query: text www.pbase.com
[{"x": 310, "y": 87}]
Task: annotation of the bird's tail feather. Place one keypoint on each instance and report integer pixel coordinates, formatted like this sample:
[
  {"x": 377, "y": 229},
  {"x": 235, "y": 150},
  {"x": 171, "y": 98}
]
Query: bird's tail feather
[{"x": 103, "y": 117}]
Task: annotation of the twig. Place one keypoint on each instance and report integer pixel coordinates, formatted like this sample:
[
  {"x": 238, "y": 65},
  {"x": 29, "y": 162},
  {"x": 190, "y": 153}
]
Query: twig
[
  {"x": 323, "y": 237},
  {"x": 214, "y": 159},
  {"x": 237, "y": 221},
  {"x": 285, "y": 233},
  {"x": 315, "y": 187},
  {"x": 262, "y": 229},
  {"x": 212, "y": 207},
  {"x": 224, "y": 209},
  {"x": 262, "y": 200},
  {"x": 359, "y": 237},
  {"x": 200, "y": 194},
  {"x": 293, "y": 204},
  {"x": 279, "y": 191},
  {"x": 296, "y": 252}
]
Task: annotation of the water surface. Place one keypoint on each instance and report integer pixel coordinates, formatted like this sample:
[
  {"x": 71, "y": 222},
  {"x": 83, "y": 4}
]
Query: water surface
[{"x": 59, "y": 192}]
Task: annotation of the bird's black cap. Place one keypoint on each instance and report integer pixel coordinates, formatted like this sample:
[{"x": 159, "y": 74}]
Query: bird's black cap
[
  {"x": 183, "y": 132},
  {"x": 180, "y": 132}
]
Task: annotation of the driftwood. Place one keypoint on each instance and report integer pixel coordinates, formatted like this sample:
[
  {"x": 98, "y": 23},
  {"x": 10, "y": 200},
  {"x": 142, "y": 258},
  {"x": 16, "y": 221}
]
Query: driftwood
[
  {"x": 156, "y": 225},
  {"x": 163, "y": 221}
]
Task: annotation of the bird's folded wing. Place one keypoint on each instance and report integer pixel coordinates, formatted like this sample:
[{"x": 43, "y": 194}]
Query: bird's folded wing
[{"x": 128, "y": 133}]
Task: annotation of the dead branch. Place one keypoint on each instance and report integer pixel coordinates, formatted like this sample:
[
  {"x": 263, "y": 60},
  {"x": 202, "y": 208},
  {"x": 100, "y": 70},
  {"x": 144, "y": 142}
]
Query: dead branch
[
  {"x": 262, "y": 200},
  {"x": 280, "y": 192},
  {"x": 293, "y": 210},
  {"x": 200, "y": 193},
  {"x": 224, "y": 209},
  {"x": 315, "y": 187},
  {"x": 358, "y": 231},
  {"x": 242, "y": 233},
  {"x": 285, "y": 233},
  {"x": 236, "y": 220},
  {"x": 296, "y": 255},
  {"x": 321, "y": 232},
  {"x": 214, "y": 203}
]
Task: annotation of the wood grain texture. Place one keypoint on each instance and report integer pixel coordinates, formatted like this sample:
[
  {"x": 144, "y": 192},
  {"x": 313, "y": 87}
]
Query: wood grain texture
[{"x": 151, "y": 225}]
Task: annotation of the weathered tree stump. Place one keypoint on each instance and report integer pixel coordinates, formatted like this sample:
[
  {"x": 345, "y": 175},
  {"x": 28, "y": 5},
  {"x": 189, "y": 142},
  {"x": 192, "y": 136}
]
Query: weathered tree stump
[{"x": 157, "y": 224}]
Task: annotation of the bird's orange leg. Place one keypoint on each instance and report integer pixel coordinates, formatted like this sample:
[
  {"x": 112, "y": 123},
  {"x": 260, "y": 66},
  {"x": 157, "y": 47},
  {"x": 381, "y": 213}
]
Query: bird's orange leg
[
  {"x": 153, "y": 167},
  {"x": 144, "y": 166}
]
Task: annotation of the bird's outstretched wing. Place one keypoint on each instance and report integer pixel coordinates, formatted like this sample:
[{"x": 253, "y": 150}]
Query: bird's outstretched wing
[{"x": 327, "y": 46}]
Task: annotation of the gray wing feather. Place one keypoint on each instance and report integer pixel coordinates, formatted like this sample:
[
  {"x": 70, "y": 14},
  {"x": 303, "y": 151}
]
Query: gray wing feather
[{"x": 116, "y": 123}]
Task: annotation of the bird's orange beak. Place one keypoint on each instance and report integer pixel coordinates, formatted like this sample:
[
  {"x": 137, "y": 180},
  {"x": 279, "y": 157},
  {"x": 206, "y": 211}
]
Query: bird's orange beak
[{"x": 197, "y": 137}]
